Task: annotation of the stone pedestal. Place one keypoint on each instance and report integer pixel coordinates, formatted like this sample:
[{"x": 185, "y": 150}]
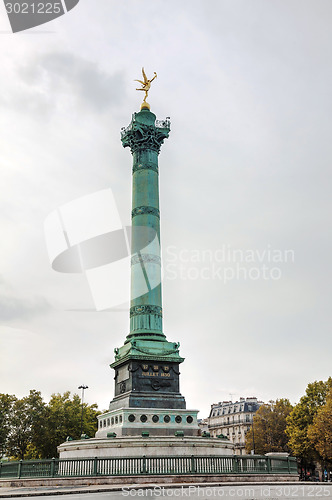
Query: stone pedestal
[
  {"x": 152, "y": 447},
  {"x": 154, "y": 421},
  {"x": 147, "y": 382}
]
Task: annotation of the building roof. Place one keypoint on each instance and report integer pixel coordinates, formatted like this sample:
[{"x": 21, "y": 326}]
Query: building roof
[{"x": 250, "y": 404}]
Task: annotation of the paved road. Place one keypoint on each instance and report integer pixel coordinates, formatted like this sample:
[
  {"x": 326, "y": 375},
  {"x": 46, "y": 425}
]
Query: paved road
[{"x": 298, "y": 491}]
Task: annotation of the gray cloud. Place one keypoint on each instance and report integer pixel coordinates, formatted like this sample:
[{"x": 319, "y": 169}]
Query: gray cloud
[
  {"x": 63, "y": 80},
  {"x": 15, "y": 308}
]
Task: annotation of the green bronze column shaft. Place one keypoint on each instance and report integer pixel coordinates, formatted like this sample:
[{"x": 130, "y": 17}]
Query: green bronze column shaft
[{"x": 145, "y": 136}]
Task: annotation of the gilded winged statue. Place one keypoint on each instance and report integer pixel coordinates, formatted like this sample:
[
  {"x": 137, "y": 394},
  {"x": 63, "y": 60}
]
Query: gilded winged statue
[{"x": 146, "y": 84}]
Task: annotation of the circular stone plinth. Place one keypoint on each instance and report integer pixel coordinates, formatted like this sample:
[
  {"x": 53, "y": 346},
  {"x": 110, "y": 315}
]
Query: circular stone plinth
[{"x": 149, "y": 446}]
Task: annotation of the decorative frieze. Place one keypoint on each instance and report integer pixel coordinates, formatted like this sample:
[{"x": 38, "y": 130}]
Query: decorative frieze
[
  {"x": 145, "y": 309},
  {"x": 145, "y": 210},
  {"x": 145, "y": 258}
]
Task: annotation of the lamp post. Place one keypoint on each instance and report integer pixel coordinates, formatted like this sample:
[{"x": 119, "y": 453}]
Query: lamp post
[
  {"x": 253, "y": 434},
  {"x": 83, "y": 387}
]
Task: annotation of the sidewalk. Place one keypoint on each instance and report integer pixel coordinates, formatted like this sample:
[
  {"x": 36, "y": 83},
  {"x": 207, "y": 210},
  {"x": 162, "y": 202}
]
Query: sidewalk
[{"x": 18, "y": 492}]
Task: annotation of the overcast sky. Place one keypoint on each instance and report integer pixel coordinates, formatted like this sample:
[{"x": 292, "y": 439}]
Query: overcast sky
[{"x": 247, "y": 167}]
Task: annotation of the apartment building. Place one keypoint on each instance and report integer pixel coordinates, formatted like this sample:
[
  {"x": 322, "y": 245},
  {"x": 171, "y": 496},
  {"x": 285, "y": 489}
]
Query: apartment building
[{"x": 233, "y": 420}]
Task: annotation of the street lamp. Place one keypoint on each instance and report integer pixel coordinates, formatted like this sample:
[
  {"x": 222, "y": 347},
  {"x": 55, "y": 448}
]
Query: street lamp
[
  {"x": 83, "y": 387},
  {"x": 253, "y": 435}
]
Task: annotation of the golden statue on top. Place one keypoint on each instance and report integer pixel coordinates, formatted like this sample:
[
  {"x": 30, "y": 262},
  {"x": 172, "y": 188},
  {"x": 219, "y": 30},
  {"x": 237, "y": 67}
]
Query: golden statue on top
[{"x": 146, "y": 84}]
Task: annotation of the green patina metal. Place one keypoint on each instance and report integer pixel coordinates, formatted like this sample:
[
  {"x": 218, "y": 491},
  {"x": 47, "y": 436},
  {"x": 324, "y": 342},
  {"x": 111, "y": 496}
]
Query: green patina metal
[
  {"x": 146, "y": 340},
  {"x": 148, "y": 350},
  {"x": 111, "y": 435},
  {"x": 137, "y": 466}
]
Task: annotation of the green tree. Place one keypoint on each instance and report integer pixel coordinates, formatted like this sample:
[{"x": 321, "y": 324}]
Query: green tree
[
  {"x": 27, "y": 424},
  {"x": 268, "y": 429},
  {"x": 6, "y": 409},
  {"x": 64, "y": 419},
  {"x": 320, "y": 431},
  {"x": 29, "y": 428},
  {"x": 302, "y": 416}
]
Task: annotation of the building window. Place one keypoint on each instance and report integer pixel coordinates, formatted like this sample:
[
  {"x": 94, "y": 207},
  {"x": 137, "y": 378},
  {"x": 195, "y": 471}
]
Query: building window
[
  {"x": 108, "y": 422},
  {"x": 167, "y": 419},
  {"x": 144, "y": 418},
  {"x": 155, "y": 419},
  {"x": 190, "y": 419},
  {"x": 178, "y": 419},
  {"x": 131, "y": 418}
]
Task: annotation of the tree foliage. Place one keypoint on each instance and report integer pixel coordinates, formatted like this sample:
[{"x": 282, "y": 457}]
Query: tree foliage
[
  {"x": 27, "y": 423},
  {"x": 320, "y": 431},
  {"x": 268, "y": 430},
  {"x": 30, "y": 428},
  {"x": 64, "y": 419},
  {"x": 302, "y": 417},
  {"x": 6, "y": 409}
]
